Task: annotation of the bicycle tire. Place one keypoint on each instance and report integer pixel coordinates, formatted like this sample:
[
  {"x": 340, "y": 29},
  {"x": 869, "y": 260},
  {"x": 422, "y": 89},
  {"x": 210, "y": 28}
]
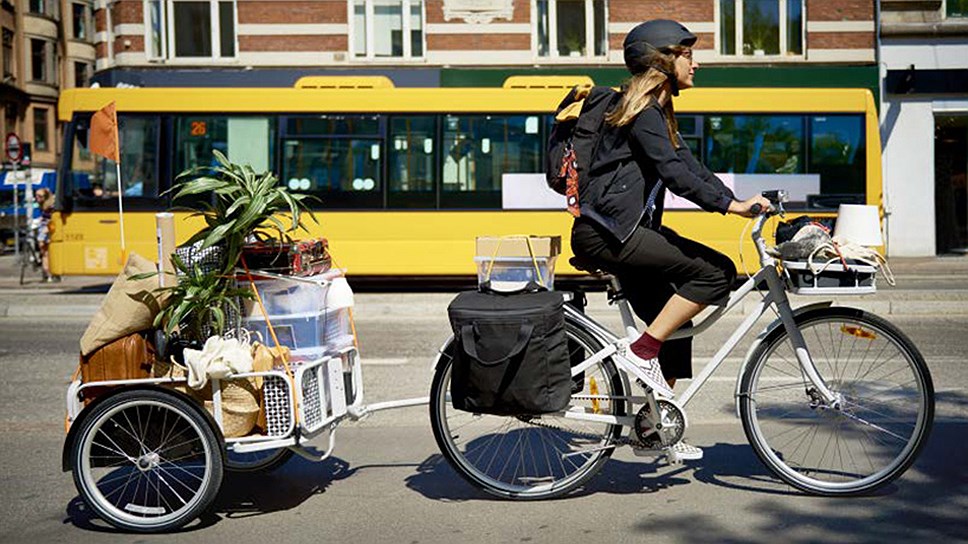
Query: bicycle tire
[
  {"x": 524, "y": 482},
  {"x": 258, "y": 461},
  {"x": 882, "y": 423},
  {"x": 147, "y": 461}
]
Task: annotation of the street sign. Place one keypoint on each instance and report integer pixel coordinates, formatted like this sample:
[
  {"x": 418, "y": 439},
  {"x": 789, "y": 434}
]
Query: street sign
[{"x": 11, "y": 144}]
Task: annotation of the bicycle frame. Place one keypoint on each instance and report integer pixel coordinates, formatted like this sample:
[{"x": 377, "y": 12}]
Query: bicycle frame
[{"x": 775, "y": 296}]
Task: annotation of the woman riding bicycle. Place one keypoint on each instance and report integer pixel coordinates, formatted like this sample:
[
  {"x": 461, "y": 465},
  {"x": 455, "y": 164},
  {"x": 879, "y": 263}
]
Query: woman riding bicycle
[{"x": 667, "y": 278}]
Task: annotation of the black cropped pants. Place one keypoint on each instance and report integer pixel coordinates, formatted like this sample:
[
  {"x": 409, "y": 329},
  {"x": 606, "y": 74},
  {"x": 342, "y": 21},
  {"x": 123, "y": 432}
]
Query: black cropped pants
[{"x": 652, "y": 265}]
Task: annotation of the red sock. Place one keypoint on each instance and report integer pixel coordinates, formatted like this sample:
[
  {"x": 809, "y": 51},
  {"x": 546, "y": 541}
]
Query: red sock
[{"x": 646, "y": 346}]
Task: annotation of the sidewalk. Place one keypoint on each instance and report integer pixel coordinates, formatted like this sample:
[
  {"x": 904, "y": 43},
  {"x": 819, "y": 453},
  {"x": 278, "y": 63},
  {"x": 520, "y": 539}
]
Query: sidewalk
[{"x": 925, "y": 286}]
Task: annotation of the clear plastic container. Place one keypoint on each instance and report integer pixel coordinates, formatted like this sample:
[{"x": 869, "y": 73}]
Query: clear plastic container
[
  {"x": 513, "y": 273},
  {"x": 325, "y": 331}
]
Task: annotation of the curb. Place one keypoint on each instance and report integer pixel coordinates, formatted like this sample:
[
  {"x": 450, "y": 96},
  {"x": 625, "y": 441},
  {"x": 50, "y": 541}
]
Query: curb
[{"x": 880, "y": 307}]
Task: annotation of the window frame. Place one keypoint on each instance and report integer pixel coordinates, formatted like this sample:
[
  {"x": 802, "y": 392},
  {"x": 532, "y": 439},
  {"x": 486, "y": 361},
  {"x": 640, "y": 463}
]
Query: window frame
[
  {"x": 949, "y": 15},
  {"x": 369, "y": 24},
  {"x": 135, "y": 203},
  {"x": 553, "y": 52},
  {"x": 9, "y": 58},
  {"x": 168, "y": 40},
  {"x": 49, "y": 8},
  {"x": 783, "y": 17},
  {"x": 88, "y": 25},
  {"x": 46, "y": 129},
  {"x": 50, "y": 76}
]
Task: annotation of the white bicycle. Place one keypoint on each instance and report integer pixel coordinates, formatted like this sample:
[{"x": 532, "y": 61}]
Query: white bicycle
[{"x": 835, "y": 401}]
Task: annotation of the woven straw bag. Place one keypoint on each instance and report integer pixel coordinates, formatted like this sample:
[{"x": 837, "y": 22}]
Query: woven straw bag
[{"x": 240, "y": 398}]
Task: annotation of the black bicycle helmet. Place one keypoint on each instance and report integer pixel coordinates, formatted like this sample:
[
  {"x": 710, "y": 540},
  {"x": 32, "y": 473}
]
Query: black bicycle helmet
[{"x": 658, "y": 34}]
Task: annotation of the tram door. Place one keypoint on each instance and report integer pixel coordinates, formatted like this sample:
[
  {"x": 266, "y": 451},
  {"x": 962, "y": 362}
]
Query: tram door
[{"x": 951, "y": 186}]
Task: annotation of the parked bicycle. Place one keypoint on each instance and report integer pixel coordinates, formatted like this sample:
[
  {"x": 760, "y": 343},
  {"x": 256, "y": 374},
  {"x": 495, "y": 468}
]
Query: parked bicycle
[{"x": 834, "y": 400}]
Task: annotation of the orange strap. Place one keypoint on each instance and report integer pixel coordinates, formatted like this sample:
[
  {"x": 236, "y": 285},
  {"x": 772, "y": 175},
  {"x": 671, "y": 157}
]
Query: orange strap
[{"x": 272, "y": 332}]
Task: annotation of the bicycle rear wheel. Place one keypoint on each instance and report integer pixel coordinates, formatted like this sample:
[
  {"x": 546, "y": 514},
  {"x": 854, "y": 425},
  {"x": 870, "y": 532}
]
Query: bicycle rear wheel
[
  {"x": 530, "y": 457},
  {"x": 885, "y": 411}
]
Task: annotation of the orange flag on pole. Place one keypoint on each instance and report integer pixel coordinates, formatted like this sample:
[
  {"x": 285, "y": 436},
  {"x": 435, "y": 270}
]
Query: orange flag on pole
[{"x": 103, "y": 138}]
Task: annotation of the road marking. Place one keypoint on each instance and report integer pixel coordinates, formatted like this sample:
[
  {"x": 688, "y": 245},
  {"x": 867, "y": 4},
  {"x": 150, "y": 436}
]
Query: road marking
[{"x": 386, "y": 361}]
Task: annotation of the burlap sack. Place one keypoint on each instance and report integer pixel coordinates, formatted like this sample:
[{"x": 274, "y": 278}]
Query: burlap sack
[{"x": 130, "y": 306}]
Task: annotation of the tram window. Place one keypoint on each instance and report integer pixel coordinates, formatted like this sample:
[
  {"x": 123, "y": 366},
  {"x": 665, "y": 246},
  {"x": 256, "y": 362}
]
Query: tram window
[
  {"x": 94, "y": 178},
  {"x": 838, "y": 153},
  {"x": 244, "y": 140},
  {"x": 827, "y": 150},
  {"x": 333, "y": 125},
  {"x": 341, "y": 172},
  {"x": 412, "y": 159},
  {"x": 754, "y": 144},
  {"x": 479, "y": 149}
]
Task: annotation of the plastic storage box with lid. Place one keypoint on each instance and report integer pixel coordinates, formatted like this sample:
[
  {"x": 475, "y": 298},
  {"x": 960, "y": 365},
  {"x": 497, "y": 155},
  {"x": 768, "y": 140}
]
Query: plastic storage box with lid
[
  {"x": 310, "y": 316},
  {"x": 511, "y": 262},
  {"x": 830, "y": 278}
]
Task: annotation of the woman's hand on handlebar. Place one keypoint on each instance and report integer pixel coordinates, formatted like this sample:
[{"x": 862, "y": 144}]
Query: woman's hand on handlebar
[{"x": 751, "y": 207}]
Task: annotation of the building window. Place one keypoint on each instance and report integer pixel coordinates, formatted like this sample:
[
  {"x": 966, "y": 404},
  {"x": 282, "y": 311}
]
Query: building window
[
  {"x": 190, "y": 28},
  {"x": 761, "y": 27},
  {"x": 7, "y": 55},
  {"x": 43, "y": 61},
  {"x": 571, "y": 28},
  {"x": 81, "y": 21},
  {"x": 957, "y": 8},
  {"x": 43, "y": 7},
  {"x": 82, "y": 74},
  {"x": 387, "y": 28},
  {"x": 40, "y": 130}
]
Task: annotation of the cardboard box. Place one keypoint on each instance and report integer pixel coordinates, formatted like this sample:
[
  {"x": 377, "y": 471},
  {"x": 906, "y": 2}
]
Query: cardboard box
[{"x": 543, "y": 246}]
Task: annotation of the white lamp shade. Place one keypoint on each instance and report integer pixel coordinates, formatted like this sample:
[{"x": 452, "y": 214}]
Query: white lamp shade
[{"x": 859, "y": 224}]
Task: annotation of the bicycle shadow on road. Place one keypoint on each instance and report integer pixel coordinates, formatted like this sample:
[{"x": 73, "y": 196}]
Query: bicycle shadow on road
[
  {"x": 247, "y": 495},
  {"x": 436, "y": 479},
  {"x": 926, "y": 504}
]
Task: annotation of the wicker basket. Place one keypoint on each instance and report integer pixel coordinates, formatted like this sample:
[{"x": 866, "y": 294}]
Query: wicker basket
[{"x": 240, "y": 399}]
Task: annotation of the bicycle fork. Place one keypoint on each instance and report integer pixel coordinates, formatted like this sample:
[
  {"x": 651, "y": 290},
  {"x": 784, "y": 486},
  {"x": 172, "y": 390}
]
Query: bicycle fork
[{"x": 819, "y": 392}]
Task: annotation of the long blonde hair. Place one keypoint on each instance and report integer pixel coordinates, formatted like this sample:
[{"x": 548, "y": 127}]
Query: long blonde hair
[{"x": 644, "y": 87}]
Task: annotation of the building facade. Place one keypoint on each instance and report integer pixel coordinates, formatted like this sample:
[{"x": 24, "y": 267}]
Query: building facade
[
  {"x": 465, "y": 42},
  {"x": 924, "y": 125},
  {"x": 48, "y": 45}
]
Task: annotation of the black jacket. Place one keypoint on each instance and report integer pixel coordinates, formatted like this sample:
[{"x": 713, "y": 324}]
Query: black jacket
[{"x": 640, "y": 161}]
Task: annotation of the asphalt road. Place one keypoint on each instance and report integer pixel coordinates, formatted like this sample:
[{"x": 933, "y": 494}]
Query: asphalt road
[{"x": 387, "y": 483}]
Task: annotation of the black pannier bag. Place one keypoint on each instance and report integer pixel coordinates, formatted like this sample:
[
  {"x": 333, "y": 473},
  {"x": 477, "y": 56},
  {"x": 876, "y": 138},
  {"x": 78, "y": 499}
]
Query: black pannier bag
[{"x": 511, "y": 355}]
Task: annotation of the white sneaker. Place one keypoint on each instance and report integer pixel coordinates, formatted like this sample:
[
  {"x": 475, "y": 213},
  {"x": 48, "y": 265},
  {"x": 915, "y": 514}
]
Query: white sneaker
[
  {"x": 676, "y": 453},
  {"x": 649, "y": 372}
]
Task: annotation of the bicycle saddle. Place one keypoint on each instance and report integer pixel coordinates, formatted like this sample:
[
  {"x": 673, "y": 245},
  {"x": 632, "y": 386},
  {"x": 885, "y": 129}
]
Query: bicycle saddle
[{"x": 586, "y": 265}]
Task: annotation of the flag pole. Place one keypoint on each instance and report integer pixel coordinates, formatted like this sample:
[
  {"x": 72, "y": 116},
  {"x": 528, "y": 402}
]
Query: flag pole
[{"x": 121, "y": 210}]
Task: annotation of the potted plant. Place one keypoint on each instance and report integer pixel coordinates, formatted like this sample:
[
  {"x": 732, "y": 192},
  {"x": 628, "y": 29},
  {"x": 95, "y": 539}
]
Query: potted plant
[{"x": 245, "y": 205}]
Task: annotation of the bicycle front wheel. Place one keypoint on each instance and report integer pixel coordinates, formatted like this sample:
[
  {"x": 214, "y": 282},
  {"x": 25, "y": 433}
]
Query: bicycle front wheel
[
  {"x": 531, "y": 457},
  {"x": 865, "y": 440}
]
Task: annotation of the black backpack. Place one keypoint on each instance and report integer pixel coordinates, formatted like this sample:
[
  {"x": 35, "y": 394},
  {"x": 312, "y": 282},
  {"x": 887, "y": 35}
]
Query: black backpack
[
  {"x": 511, "y": 353},
  {"x": 574, "y": 141}
]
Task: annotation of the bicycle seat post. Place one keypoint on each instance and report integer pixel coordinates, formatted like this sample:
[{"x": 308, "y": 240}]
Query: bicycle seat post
[{"x": 617, "y": 296}]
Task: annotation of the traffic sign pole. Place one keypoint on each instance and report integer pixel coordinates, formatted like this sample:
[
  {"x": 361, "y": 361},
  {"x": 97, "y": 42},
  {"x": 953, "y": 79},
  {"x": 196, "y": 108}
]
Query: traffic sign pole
[{"x": 15, "y": 152}]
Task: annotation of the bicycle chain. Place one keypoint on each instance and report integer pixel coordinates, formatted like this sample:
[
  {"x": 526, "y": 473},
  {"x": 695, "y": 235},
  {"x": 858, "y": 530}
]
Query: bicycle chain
[{"x": 620, "y": 441}]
